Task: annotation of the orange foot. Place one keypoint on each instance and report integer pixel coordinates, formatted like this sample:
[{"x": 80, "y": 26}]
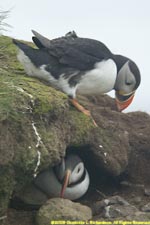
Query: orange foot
[{"x": 82, "y": 109}]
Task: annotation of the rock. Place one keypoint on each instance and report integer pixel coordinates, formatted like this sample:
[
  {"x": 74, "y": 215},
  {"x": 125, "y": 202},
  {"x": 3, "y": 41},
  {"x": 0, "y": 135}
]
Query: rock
[
  {"x": 146, "y": 208},
  {"x": 115, "y": 211},
  {"x": 138, "y": 166},
  {"x": 117, "y": 200},
  {"x": 7, "y": 183},
  {"x": 137, "y": 199},
  {"x": 98, "y": 207},
  {"x": 138, "y": 216},
  {"x": 113, "y": 207},
  {"x": 62, "y": 209},
  {"x": 147, "y": 191},
  {"x": 134, "y": 185}
]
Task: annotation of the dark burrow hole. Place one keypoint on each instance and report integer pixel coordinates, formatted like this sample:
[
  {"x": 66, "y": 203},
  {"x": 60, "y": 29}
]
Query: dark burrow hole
[{"x": 102, "y": 183}]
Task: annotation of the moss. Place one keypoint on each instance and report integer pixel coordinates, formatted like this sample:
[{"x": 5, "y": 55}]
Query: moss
[
  {"x": 47, "y": 98},
  {"x": 12, "y": 104},
  {"x": 8, "y": 55},
  {"x": 12, "y": 100},
  {"x": 81, "y": 132},
  {"x": 53, "y": 143},
  {"x": 23, "y": 100}
]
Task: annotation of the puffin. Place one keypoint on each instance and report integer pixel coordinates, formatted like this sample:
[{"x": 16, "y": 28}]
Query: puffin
[
  {"x": 77, "y": 65},
  {"x": 69, "y": 179}
]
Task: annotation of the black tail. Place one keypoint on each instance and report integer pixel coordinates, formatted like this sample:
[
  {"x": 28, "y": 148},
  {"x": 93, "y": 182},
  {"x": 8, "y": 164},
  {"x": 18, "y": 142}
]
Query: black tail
[
  {"x": 37, "y": 56},
  {"x": 24, "y": 47},
  {"x": 37, "y": 42}
]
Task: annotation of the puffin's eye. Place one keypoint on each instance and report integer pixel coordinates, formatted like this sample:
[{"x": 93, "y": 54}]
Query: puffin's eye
[
  {"x": 128, "y": 83},
  {"x": 78, "y": 170}
]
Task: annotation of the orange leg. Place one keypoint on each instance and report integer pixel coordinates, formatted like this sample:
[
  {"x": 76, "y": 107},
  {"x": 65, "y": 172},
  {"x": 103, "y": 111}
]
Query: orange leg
[{"x": 82, "y": 109}]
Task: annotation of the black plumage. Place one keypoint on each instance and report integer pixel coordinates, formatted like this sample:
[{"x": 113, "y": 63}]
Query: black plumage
[
  {"x": 78, "y": 53},
  {"x": 67, "y": 55}
]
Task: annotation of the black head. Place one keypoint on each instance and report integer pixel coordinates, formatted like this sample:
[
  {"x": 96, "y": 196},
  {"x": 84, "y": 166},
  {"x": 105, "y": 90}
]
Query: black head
[{"x": 127, "y": 81}]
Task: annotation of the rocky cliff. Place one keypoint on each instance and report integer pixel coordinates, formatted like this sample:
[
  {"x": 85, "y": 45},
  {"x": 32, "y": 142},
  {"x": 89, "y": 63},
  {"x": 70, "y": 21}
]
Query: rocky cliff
[{"x": 38, "y": 125}]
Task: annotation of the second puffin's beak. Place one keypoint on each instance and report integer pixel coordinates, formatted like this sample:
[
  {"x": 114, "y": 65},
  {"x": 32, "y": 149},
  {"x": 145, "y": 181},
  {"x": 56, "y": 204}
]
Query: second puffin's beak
[
  {"x": 123, "y": 101},
  {"x": 65, "y": 183}
]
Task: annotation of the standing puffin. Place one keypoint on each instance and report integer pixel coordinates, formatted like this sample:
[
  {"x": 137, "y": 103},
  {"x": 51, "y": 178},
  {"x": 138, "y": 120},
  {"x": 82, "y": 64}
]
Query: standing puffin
[{"x": 80, "y": 65}]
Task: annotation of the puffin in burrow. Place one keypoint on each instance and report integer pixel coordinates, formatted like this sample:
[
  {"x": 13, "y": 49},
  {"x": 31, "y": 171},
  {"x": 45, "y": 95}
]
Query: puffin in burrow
[
  {"x": 80, "y": 65},
  {"x": 69, "y": 179}
]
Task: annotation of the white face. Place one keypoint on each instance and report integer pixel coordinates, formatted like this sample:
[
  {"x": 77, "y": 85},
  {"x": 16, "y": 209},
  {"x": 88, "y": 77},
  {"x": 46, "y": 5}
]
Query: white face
[
  {"x": 125, "y": 83},
  {"x": 77, "y": 173}
]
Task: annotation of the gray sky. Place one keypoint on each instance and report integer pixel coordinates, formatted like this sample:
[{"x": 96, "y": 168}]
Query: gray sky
[{"x": 124, "y": 26}]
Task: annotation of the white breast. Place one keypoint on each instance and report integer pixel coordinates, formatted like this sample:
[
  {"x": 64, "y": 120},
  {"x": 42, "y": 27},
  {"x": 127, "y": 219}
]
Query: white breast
[{"x": 99, "y": 80}]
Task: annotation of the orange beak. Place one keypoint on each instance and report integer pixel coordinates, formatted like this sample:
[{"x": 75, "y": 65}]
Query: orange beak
[
  {"x": 123, "y": 101},
  {"x": 65, "y": 183}
]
